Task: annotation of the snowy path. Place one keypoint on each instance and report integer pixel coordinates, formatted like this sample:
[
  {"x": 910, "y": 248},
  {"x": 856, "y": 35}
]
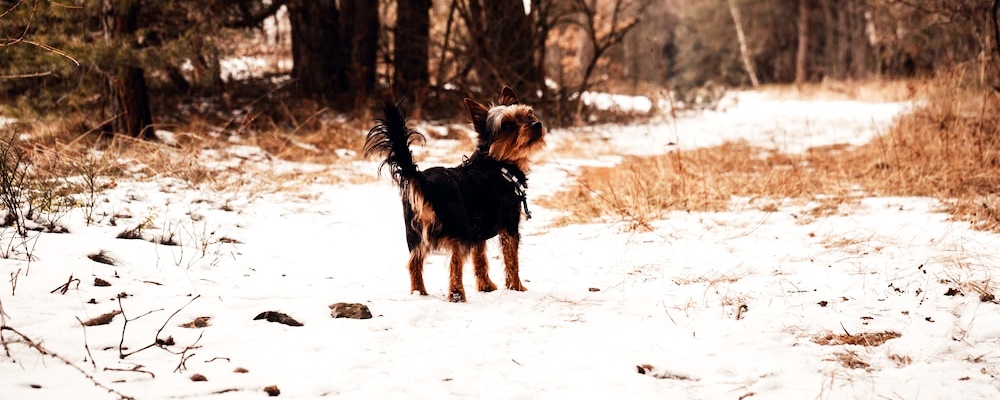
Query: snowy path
[{"x": 720, "y": 305}]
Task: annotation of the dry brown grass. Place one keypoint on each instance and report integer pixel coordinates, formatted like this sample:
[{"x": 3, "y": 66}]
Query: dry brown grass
[
  {"x": 320, "y": 145},
  {"x": 861, "y": 339},
  {"x": 72, "y": 162},
  {"x": 948, "y": 148},
  {"x": 700, "y": 180}
]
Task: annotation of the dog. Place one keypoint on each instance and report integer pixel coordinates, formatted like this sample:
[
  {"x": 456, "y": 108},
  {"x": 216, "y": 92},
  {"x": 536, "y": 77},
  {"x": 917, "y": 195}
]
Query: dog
[{"x": 458, "y": 209}]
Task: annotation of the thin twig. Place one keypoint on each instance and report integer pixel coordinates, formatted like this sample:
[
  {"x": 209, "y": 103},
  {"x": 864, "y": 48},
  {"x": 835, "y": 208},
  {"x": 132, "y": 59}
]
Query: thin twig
[
  {"x": 85, "y": 341},
  {"x": 133, "y": 369},
  {"x": 45, "y": 352},
  {"x": 121, "y": 343},
  {"x": 62, "y": 289},
  {"x": 157, "y": 342}
]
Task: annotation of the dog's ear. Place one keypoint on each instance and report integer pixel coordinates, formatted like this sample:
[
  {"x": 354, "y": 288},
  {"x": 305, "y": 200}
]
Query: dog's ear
[
  {"x": 478, "y": 114},
  {"x": 507, "y": 96}
]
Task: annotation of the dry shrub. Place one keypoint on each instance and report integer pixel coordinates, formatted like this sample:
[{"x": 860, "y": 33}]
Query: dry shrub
[
  {"x": 324, "y": 144},
  {"x": 851, "y": 359},
  {"x": 947, "y": 148}
]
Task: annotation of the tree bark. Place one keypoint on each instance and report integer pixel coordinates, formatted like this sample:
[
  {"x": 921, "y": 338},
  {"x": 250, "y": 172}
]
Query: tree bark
[
  {"x": 744, "y": 50},
  {"x": 512, "y": 47},
  {"x": 803, "y": 45},
  {"x": 126, "y": 83},
  {"x": 411, "y": 78},
  {"x": 996, "y": 26},
  {"x": 319, "y": 55},
  {"x": 364, "y": 43}
]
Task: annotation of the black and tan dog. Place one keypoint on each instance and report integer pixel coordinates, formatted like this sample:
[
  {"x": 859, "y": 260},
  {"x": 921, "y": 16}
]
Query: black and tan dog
[{"x": 458, "y": 209}]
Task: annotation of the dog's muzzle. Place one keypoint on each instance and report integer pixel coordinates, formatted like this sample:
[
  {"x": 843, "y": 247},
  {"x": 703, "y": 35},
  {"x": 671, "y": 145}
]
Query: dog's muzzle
[{"x": 537, "y": 130}]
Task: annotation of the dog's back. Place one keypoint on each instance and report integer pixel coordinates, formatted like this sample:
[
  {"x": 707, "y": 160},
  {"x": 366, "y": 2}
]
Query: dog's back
[{"x": 472, "y": 202}]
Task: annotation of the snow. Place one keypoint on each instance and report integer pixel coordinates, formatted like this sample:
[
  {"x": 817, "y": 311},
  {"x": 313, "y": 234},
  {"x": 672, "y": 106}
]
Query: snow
[
  {"x": 709, "y": 305},
  {"x": 606, "y": 101}
]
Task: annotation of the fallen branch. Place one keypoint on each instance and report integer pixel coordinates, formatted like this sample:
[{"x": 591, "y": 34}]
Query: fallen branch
[
  {"x": 45, "y": 352},
  {"x": 62, "y": 289},
  {"x": 86, "y": 346},
  {"x": 157, "y": 342}
]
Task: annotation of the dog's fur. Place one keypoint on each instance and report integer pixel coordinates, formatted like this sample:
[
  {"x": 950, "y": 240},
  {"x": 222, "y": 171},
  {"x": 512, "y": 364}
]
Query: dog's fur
[{"x": 458, "y": 209}]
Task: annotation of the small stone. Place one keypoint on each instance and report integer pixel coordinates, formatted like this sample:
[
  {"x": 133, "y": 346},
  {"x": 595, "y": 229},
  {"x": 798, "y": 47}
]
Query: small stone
[
  {"x": 198, "y": 378},
  {"x": 272, "y": 390},
  {"x": 350, "y": 310},
  {"x": 281, "y": 318}
]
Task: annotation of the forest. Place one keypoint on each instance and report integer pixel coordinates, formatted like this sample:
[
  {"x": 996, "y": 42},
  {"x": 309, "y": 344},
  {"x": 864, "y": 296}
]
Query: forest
[
  {"x": 735, "y": 199},
  {"x": 130, "y": 66}
]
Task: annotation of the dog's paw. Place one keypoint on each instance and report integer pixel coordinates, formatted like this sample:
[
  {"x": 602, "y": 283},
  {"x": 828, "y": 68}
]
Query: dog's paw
[
  {"x": 516, "y": 286},
  {"x": 456, "y": 297},
  {"x": 486, "y": 286}
]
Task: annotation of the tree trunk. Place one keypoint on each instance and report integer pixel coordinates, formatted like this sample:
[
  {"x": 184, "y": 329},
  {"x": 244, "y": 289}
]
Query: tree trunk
[
  {"x": 744, "y": 50},
  {"x": 126, "y": 83},
  {"x": 995, "y": 17},
  {"x": 361, "y": 23},
  {"x": 411, "y": 79},
  {"x": 512, "y": 47},
  {"x": 319, "y": 56},
  {"x": 131, "y": 105},
  {"x": 364, "y": 43},
  {"x": 803, "y": 50}
]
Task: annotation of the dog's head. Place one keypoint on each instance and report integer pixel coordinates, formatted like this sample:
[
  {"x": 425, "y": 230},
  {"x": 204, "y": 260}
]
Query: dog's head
[{"x": 508, "y": 131}]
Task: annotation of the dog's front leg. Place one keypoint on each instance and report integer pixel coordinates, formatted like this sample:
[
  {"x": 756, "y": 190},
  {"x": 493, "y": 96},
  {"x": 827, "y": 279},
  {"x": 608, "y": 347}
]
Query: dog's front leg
[
  {"x": 482, "y": 268},
  {"x": 509, "y": 243},
  {"x": 416, "y": 266}
]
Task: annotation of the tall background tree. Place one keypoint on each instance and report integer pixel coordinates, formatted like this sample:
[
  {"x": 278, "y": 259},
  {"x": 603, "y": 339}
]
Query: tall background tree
[{"x": 411, "y": 77}]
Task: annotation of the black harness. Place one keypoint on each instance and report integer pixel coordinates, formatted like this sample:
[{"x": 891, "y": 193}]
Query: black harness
[
  {"x": 509, "y": 172},
  {"x": 520, "y": 181}
]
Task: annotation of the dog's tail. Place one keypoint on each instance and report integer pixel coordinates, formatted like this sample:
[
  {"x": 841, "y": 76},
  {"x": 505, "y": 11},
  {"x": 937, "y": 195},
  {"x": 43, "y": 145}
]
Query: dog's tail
[{"x": 391, "y": 138}]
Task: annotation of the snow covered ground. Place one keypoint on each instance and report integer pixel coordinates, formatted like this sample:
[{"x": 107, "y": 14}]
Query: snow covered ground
[{"x": 738, "y": 304}]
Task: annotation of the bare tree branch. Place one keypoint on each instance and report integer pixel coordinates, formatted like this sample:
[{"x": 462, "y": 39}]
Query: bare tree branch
[{"x": 45, "y": 352}]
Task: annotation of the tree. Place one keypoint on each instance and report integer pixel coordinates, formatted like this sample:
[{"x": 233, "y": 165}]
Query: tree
[
  {"x": 320, "y": 56},
  {"x": 603, "y": 38},
  {"x": 744, "y": 49},
  {"x": 411, "y": 77},
  {"x": 803, "y": 46},
  {"x": 361, "y": 25},
  {"x": 502, "y": 39},
  {"x": 126, "y": 82}
]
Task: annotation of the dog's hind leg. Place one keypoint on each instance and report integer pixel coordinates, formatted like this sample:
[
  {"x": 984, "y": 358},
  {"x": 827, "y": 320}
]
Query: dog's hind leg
[
  {"x": 482, "y": 268},
  {"x": 456, "y": 293},
  {"x": 508, "y": 244},
  {"x": 416, "y": 266}
]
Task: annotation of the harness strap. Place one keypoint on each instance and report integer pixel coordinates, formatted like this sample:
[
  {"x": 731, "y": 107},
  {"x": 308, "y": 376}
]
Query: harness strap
[{"x": 520, "y": 188}]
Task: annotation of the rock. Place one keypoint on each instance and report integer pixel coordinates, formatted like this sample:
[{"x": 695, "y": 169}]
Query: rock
[
  {"x": 350, "y": 310},
  {"x": 281, "y": 318}
]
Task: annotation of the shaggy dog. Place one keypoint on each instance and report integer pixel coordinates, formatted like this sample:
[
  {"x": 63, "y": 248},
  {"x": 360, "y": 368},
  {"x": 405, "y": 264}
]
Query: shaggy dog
[{"x": 459, "y": 208}]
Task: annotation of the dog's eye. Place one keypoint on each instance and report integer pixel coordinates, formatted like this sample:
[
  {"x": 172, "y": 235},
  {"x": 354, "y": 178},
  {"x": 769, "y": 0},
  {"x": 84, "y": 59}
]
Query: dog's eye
[{"x": 507, "y": 126}]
